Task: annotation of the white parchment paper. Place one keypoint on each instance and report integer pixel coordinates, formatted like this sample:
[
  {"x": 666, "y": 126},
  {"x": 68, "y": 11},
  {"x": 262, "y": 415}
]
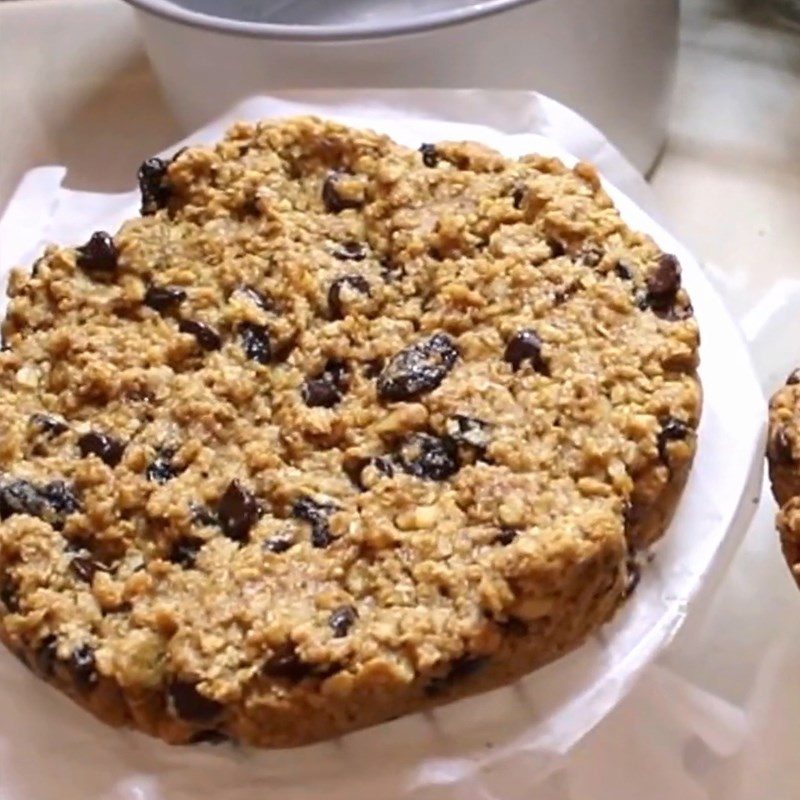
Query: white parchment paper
[{"x": 492, "y": 747}]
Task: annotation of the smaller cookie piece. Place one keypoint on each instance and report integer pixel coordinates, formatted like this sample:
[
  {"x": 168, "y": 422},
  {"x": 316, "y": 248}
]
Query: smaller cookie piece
[{"x": 783, "y": 455}]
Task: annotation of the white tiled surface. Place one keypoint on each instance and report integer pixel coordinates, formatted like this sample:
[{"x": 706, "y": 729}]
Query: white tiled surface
[{"x": 76, "y": 89}]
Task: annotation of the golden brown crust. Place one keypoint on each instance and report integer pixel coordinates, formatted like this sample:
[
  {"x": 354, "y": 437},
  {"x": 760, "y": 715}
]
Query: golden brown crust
[{"x": 335, "y": 432}]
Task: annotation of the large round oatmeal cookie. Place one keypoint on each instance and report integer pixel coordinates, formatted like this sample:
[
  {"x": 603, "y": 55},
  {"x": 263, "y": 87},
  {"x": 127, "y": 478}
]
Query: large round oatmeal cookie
[
  {"x": 783, "y": 455},
  {"x": 335, "y": 431}
]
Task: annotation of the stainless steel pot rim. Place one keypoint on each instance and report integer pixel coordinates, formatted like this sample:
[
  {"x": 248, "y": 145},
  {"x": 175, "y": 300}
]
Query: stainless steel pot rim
[{"x": 325, "y": 33}]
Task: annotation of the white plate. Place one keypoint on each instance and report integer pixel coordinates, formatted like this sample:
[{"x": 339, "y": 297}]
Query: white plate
[{"x": 491, "y": 746}]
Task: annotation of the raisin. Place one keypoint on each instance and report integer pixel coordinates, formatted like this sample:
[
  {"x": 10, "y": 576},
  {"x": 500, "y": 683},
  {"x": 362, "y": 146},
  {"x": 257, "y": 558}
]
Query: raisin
[
  {"x": 237, "y": 512},
  {"x": 279, "y": 543},
  {"x": 316, "y": 514},
  {"x": 505, "y": 537},
  {"x": 105, "y": 447},
  {"x": 672, "y": 429},
  {"x": 664, "y": 283},
  {"x": 331, "y": 198},
  {"x": 286, "y": 663},
  {"x": 518, "y": 196},
  {"x": 184, "y": 551},
  {"x": 83, "y": 668},
  {"x": 418, "y": 368},
  {"x": 60, "y": 497},
  {"x": 154, "y": 185},
  {"x": 190, "y": 705},
  {"x": 326, "y": 389},
  {"x": 46, "y": 655},
  {"x": 204, "y": 334},
  {"x": 164, "y": 298},
  {"x": 350, "y": 251},
  {"x": 430, "y": 158},
  {"x": 50, "y": 426},
  {"x": 623, "y": 271},
  {"x": 161, "y": 469},
  {"x": 98, "y": 255},
  {"x": 780, "y": 447},
  {"x": 429, "y": 457},
  {"x": 341, "y": 620},
  {"x": 794, "y": 378},
  {"x": 21, "y": 497},
  {"x": 468, "y": 431},
  {"x": 255, "y": 342},
  {"x": 356, "y": 283},
  {"x": 525, "y": 345}
]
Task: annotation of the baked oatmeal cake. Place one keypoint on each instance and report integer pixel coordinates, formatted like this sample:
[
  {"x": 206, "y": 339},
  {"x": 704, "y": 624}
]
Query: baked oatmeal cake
[
  {"x": 334, "y": 431},
  {"x": 783, "y": 455}
]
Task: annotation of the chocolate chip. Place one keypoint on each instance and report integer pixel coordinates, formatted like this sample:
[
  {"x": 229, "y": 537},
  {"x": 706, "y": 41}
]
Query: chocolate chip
[
  {"x": 418, "y": 368},
  {"x": 164, "y": 298},
  {"x": 331, "y": 198},
  {"x": 9, "y": 595},
  {"x": 350, "y": 251},
  {"x": 505, "y": 537},
  {"x": 780, "y": 447},
  {"x": 430, "y": 158},
  {"x": 83, "y": 567},
  {"x": 237, "y": 511},
  {"x": 279, "y": 543},
  {"x": 50, "y": 426},
  {"x": 316, "y": 514},
  {"x": 286, "y": 663},
  {"x": 341, "y": 620},
  {"x": 468, "y": 431},
  {"x": 83, "y": 668},
  {"x": 190, "y": 705},
  {"x": 255, "y": 342},
  {"x": 325, "y": 390},
  {"x": 429, "y": 457},
  {"x": 794, "y": 378},
  {"x": 161, "y": 469},
  {"x": 106, "y": 448},
  {"x": 664, "y": 282},
  {"x": 525, "y": 345},
  {"x": 154, "y": 185},
  {"x": 46, "y": 655},
  {"x": 205, "y": 335},
  {"x": 623, "y": 271},
  {"x": 98, "y": 255},
  {"x": 184, "y": 551},
  {"x": 517, "y": 196},
  {"x": 209, "y": 737},
  {"x": 356, "y": 283},
  {"x": 21, "y": 497},
  {"x": 672, "y": 429}
]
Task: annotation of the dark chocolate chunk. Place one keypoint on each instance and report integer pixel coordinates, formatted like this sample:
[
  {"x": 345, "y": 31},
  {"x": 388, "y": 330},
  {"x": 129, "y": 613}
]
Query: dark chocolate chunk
[
  {"x": 326, "y": 389},
  {"x": 161, "y": 469},
  {"x": 21, "y": 497},
  {"x": 430, "y": 158},
  {"x": 505, "y": 537},
  {"x": 184, "y": 551},
  {"x": 46, "y": 655},
  {"x": 98, "y": 255},
  {"x": 205, "y": 335},
  {"x": 350, "y": 251},
  {"x": 316, "y": 514},
  {"x": 672, "y": 429},
  {"x": 333, "y": 201},
  {"x": 418, "y": 368},
  {"x": 623, "y": 271},
  {"x": 255, "y": 342},
  {"x": 429, "y": 457},
  {"x": 190, "y": 705},
  {"x": 468, "y": 431},
  {"x": 105, "y": 447},
  {"x": 50, "y": 426},
  {"x": 286, "y": 663},
  {"x": 83, "y": 668},
  {"x": 279, "y": 543},
  {"x": 357, "y": 283},
  {"x": 164, "y": 298},
  {"x": 154, "y": 185},
  {"x": 341, "y": 620},
  {"x": 237, "y": 511},
  {"x": 525, "y": 345}
]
